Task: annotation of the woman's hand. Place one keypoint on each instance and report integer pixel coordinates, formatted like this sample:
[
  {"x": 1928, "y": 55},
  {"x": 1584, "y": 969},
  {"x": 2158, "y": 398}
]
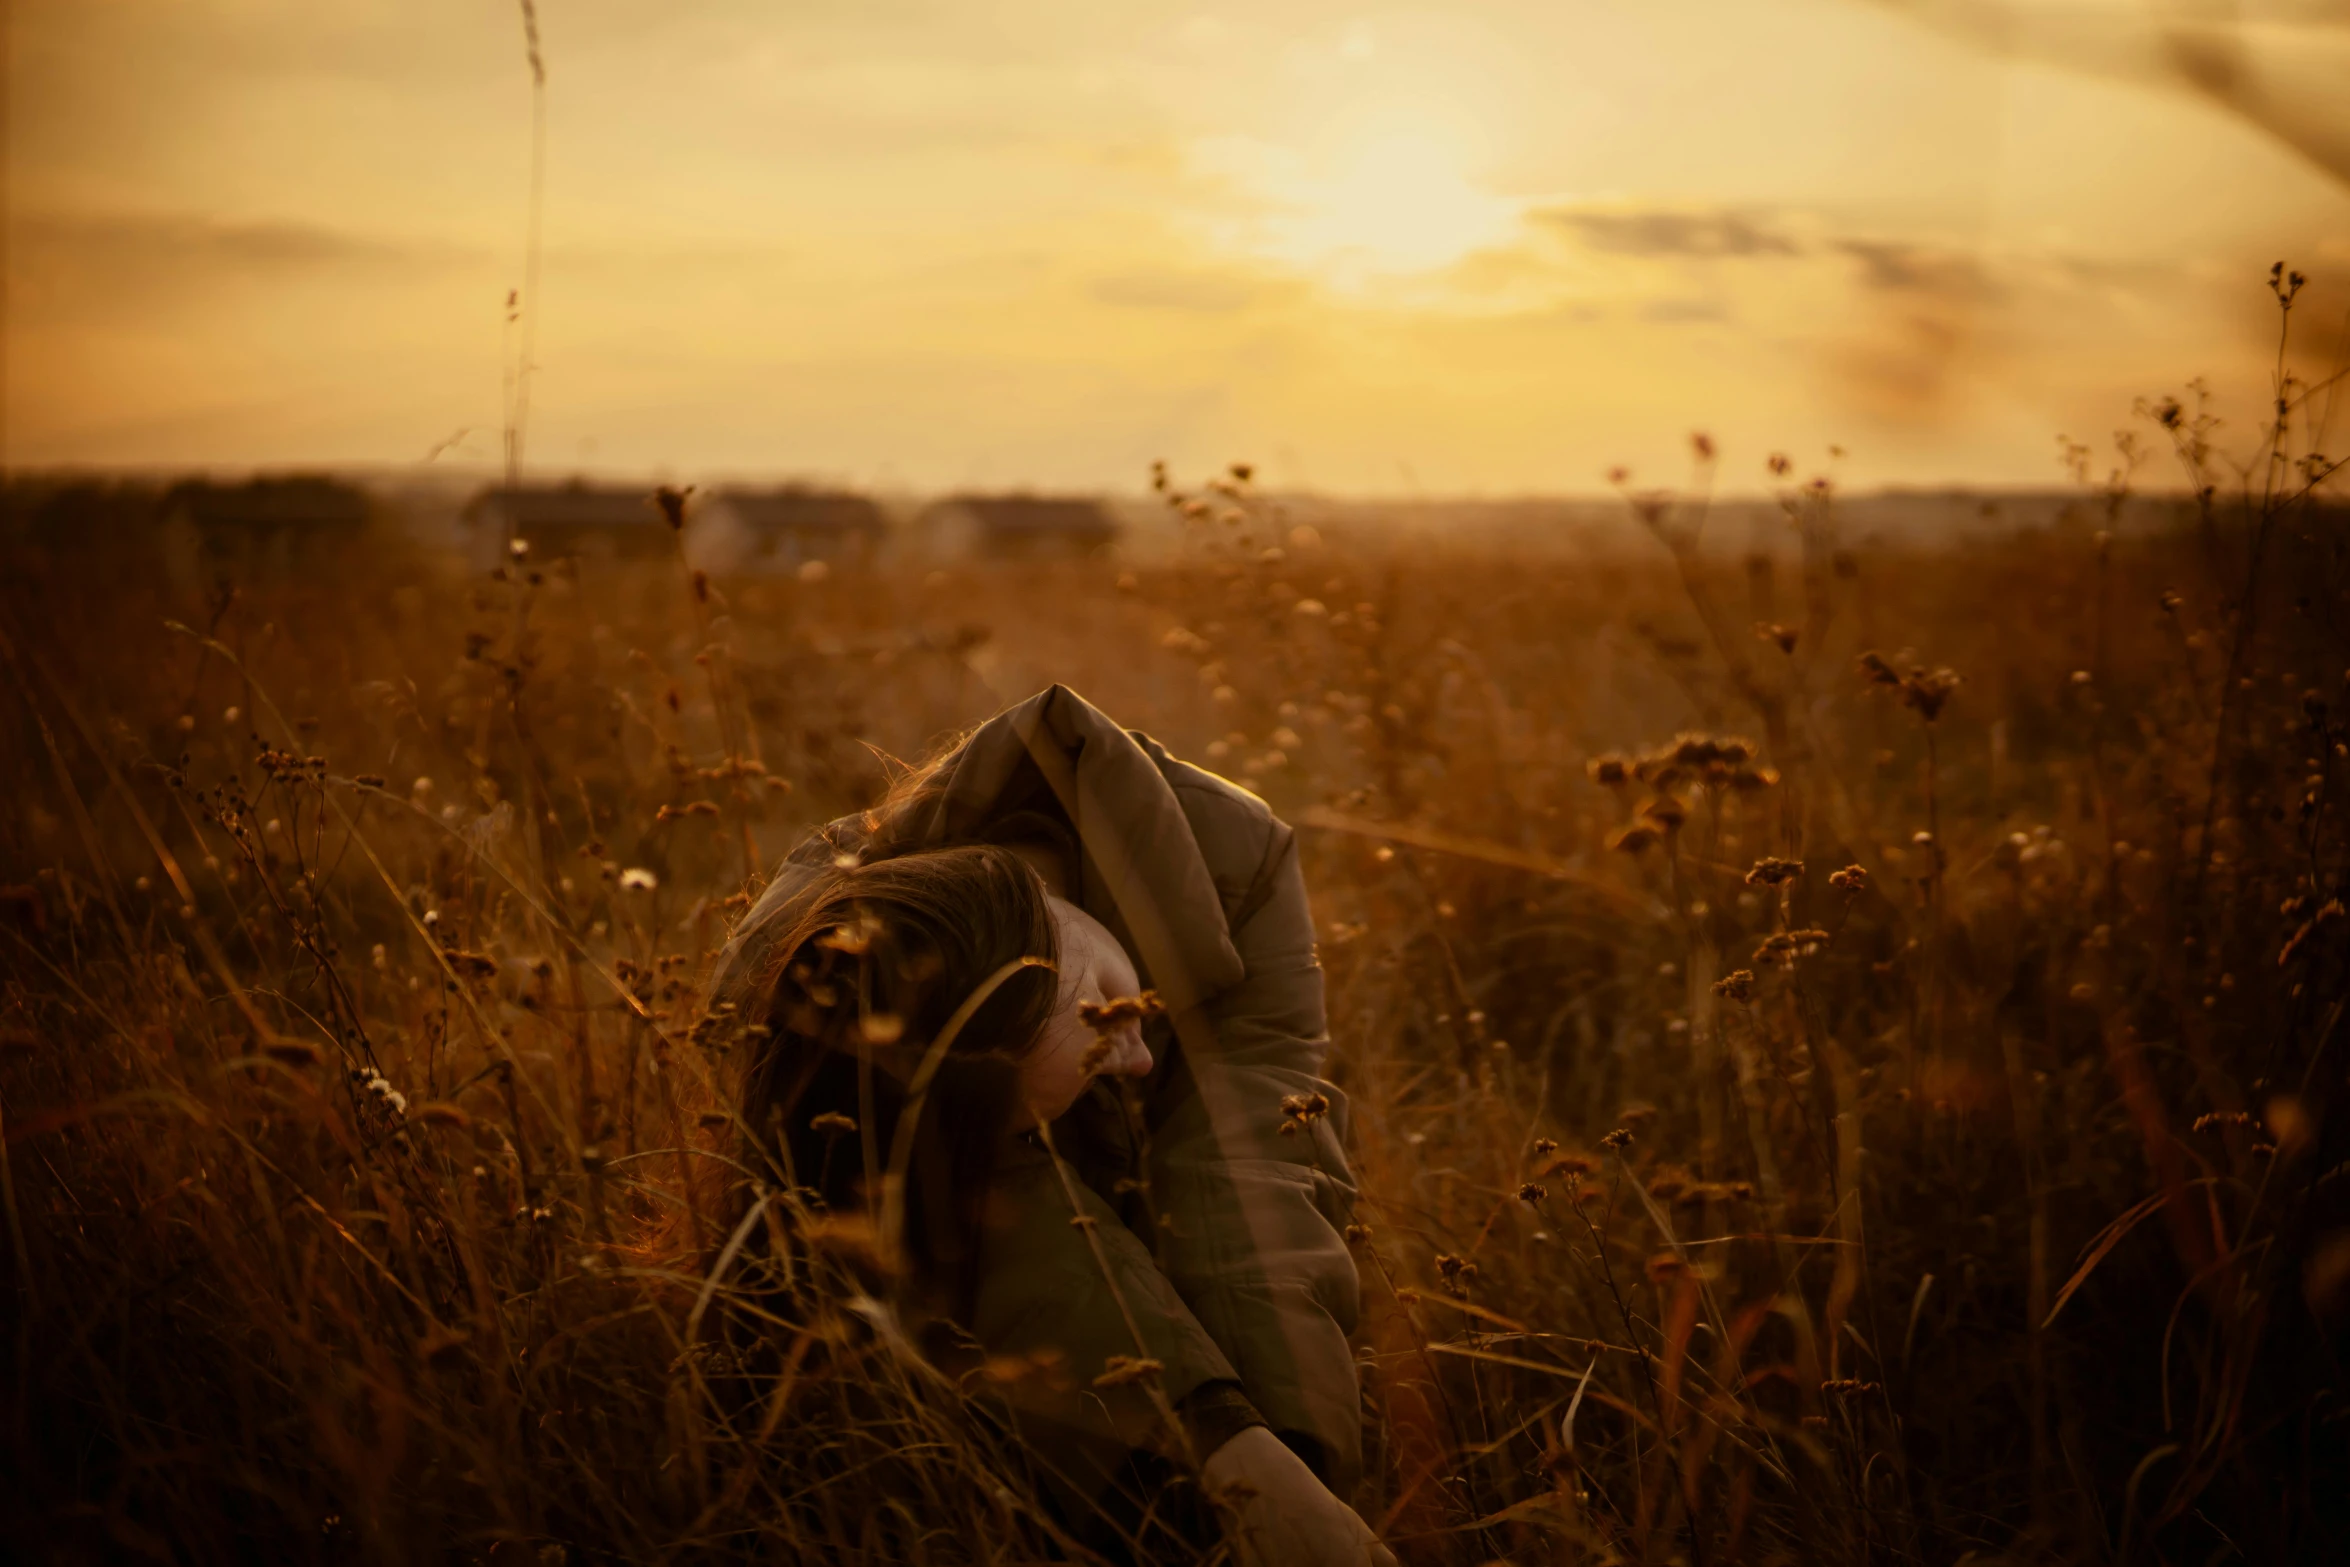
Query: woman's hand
[{"x": 1277, "y": 1513}]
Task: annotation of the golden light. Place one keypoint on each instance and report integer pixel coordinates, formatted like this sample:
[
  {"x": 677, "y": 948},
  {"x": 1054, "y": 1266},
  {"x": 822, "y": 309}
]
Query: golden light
[{"x": 1389, "y": 198}]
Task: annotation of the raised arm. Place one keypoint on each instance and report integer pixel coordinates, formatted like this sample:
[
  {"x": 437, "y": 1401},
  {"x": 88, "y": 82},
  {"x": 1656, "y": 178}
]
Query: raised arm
[{"x": 1254, "y": 1215}]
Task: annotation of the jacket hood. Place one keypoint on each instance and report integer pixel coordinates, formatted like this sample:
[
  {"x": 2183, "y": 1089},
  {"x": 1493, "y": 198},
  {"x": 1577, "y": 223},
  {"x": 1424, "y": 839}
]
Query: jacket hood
[{"x": 1141, "y": 874}]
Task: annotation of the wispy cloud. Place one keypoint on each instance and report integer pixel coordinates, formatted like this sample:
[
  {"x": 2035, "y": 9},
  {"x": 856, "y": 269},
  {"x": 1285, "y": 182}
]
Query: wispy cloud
[
  {"x": 1169, "y": 289},
  {"x": 180, "y": 239},
  {"x": 1922, "y": 270},
  {"x": 1671, "y": 233}
]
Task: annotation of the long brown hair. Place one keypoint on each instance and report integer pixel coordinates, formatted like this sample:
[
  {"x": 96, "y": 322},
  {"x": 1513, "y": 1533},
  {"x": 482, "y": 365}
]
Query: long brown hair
[{"x": 850, "y": 1013}]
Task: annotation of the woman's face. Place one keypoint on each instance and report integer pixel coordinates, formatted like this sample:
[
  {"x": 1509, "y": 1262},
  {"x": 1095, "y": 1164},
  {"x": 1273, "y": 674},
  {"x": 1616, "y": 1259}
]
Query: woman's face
[{"x": 1094, "y": 967}]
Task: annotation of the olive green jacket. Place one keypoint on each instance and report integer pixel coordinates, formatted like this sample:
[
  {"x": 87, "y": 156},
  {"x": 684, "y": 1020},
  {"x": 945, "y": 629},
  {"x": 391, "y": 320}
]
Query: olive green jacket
[{"x": 1219, "y": 1253}]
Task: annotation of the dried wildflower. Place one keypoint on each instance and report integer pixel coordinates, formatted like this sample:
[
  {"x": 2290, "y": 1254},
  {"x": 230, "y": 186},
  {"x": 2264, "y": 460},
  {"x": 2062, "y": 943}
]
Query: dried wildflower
[
  {"x": 1634, "y": 838},
  {"x": 1532, "y": 1192},
  {"x": 1457, "y": 1272},
  {"x": 1125, "y": 1370},
  {"x": 1618, "y": 1140},
  {"x": 1105, "y": 1017},
  {"x": 1851, "y": 879},
  {"x": 1737, "y": 985},
  {"x": 1544, "y": 1147},
  {"x": 1570, "y": 1165},
  {"x": 377, "y": 1087},
  {"x": 832, "y": 1123},
  {"x": 471, "y": 965},
  {"x": 637, "y": 879},
  {"x": 1300, "y": 1111},
  {"x": 1770, "y": 871},
  {"x": 1923, "y": 691},
  {"x": 849, "y": 940},
  {"x": 1788, "y": 945},
  {"x": 1610, "y": 770},
  {"x": 1357, "y": 1234},
  {"x": 1665, "y": 813}
]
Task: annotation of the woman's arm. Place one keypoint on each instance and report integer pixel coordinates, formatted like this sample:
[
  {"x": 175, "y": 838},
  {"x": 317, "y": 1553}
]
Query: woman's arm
[
  {"x": 1085, "y": 1296},
  {"x": 1252, "y": 1234}
]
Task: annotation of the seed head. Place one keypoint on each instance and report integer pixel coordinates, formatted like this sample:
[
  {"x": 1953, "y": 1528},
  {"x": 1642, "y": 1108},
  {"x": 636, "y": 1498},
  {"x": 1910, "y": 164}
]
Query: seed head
[
  {"x": 1124, "y": 1370},
  {"x": 1770, "y": 871},
  {"x": 1788, "y": 945},
  {"x": 1299, "y": 1111},
  {"x": 1666, "y": 813},
  {"x": 1106, "y": 1017}
]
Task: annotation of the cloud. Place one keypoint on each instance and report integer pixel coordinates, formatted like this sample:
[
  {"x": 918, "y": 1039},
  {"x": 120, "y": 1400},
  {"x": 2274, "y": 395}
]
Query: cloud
[
  {"x": 181, "y": 240},
  {"x": 1161, "y": 289},
  {"x": 1946, "y": 275},
  {"x": 1672, "y": 233},
  {"x": 1674, "y": 311}
]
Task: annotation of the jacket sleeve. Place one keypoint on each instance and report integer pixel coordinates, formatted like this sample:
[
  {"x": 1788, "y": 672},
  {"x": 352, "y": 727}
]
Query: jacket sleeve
[
  {"x": 1047, "y": 1298},
  {"x": 1251, "y": 1216}
]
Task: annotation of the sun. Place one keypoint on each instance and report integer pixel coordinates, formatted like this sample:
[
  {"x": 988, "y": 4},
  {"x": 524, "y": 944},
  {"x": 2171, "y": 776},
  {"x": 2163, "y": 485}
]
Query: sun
[{"x": 1390, "y": 198}]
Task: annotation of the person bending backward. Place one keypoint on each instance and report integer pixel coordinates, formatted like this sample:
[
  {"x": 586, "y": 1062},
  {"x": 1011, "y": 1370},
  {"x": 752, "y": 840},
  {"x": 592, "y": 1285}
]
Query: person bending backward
[{"x": 931, "y": 976}]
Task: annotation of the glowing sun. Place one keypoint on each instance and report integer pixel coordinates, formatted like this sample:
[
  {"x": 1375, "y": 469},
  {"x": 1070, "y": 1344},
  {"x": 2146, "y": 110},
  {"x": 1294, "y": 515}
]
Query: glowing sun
[{"x": 1388, "y": 199}]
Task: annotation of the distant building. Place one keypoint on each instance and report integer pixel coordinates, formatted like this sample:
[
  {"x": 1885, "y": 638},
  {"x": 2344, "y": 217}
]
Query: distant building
[
  {"x": 266, "y": 524},
  {"x": 594, "y": 521},
  {"x": 784, "y": 529},
  {"x": 1014, "y": 527}
]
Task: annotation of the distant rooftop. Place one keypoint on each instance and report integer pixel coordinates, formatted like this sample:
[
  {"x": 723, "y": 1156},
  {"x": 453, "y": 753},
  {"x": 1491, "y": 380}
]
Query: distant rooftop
[
  {"x": 1065, "y": 516},
  {"x": 573, "y": 505},
  {"x": 799, "y": 507}
]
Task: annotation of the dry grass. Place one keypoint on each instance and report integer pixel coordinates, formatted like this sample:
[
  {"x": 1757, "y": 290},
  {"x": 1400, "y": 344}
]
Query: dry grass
[{"x": 1806, "y": 1109}]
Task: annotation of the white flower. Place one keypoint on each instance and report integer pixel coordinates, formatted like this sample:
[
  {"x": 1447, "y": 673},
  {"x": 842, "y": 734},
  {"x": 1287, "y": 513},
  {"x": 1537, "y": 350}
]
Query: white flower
[{"x": 637, "y": 879}]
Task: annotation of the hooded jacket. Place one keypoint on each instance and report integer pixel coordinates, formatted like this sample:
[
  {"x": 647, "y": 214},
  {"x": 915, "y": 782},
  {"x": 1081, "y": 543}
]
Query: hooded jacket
[{"x": 1213, "y": 1245}]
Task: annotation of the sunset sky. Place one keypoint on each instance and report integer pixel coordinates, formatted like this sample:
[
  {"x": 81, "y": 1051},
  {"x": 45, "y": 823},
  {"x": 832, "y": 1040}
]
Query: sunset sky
[{"x": 1493, "y": 246}]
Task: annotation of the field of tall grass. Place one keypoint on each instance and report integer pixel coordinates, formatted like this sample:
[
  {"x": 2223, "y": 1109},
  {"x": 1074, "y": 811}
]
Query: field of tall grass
[{"x": 1843, "y": 1039}]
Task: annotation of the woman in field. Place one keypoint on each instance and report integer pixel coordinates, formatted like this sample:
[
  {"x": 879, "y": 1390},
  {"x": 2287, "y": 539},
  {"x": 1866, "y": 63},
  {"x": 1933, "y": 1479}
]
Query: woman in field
[{"x": 1139, "y": 1200}]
